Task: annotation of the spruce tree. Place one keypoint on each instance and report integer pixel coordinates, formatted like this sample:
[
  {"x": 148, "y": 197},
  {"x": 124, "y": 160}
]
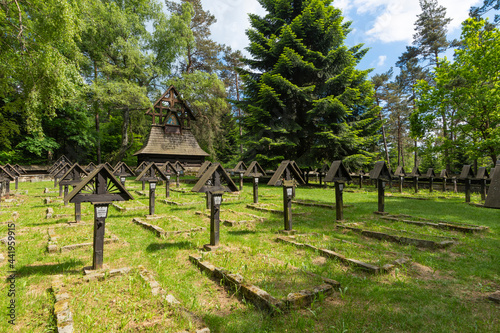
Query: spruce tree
[{"x": 304, "y": 98}]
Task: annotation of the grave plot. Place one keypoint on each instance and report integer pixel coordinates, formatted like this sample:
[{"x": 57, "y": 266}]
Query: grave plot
[
  {"x": 372, "y": 259},
  {"x": 184, "y": 200},
  {"x": 274, "y": 208},
  {"x": 63, "y": 213},
  {"x": 169, "y": 226},
  {"x": 124, "y": 303},
  {"x": 131, "y": 205},
  {"x": 404, "y": 234},
  {"x": 270, "y": 281},
  {"x": 71, "y": 238},
  {"x": 420, "y": 221},
  {"x": 231, "y": 218},
  {"x": 314, "y": 203}
]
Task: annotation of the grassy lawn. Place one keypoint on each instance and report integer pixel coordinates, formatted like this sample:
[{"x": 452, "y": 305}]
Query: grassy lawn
[{"x": 441, "y": 290}]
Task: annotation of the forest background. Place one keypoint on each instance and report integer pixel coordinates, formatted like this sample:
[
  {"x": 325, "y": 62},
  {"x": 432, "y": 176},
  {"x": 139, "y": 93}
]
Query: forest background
[{"x": 76, "y": 78}]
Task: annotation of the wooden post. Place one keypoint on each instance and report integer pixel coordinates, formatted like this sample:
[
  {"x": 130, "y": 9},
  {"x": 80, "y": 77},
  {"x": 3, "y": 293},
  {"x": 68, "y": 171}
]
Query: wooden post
[
  {"x": 256, "y": 190},
  {"x": 177, "y": 180},
  {"x": 381, "y": 203},
  {"x": 483, "y": 189},
  {"x": 216, "y": 200},
  {"x": 78, "y": 212},
  {"x": 60, "y": 190},
  {"x": 152, "y": 187},
  {"x": 100, "y": 214},
  {"x": 467, "y": 190},
  {"x": 360, "y": 181},
  {"x": 401, "y": 182},
  {"x": 241, "y": 181},
  {"x": 431, "y": 184},
  {"x": 143, "y": 185},
  {"x": 208, "y": 195},
  {"x": 320, "y": 178},
  {"x": 287, "y": 206},
  {"x": 7, "y": 188},
  {"x": 415, "y": 183},
  {"x": 17, "y": 182},
  {"x": 444, "y": 184},
  {"x": 55, "y": 181},
  {"x": 167, "y": 187},
  {"x": 66, "y": 191},
  {"x": 122, "y": 180},
  {"x": 339, "y": 201}
]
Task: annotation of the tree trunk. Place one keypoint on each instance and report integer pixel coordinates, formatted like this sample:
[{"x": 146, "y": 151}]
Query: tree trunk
[
  {"x": 385, "y": 141},
  {"x": 416, "y": 155},
  {"x": 239, "y": 114},
  {"x": 400, "y": 149},
  {"x": 125, "y": 140},
  {"x": 97, "y": 127}
]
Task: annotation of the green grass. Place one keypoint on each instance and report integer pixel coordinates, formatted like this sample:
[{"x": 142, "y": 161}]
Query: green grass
[{"x": 439, "y": 291}]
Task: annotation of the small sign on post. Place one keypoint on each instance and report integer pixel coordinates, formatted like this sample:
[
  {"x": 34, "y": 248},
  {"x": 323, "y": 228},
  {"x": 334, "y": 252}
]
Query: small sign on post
[
  {"x": 255, "y": 171},
  {"x": 287, "y": 175},
  {"x": 339, "y": 174},
  {"x": 381, "y": 174},
  {"x": 152, "y": 174},
  {"x": 214, "y": 182},
  {"x": 122, "y": 170}
]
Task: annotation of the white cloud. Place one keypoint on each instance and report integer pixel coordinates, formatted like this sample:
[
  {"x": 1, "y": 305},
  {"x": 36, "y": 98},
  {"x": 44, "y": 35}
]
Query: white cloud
[
  {"x": 232, "y": 20},
  {"x": 393, "y": 20},
  {"x": 381, "y": 60}
]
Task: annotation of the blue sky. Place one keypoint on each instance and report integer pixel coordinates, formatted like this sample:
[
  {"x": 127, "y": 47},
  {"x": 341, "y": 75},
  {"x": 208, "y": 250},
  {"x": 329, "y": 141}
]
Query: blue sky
[{"x": 384, "y": 26}]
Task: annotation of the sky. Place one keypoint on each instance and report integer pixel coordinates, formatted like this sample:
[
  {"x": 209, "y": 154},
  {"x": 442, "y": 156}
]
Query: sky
[{"x": 386, "y": 27}]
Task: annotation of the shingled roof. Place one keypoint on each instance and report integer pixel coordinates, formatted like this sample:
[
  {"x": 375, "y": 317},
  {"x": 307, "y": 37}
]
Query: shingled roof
[{"x": 165, "y": 143}]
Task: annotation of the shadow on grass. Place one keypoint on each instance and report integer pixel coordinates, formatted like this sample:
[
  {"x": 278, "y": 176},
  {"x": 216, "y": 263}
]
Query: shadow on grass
[
  {"x": 51, "y": 268},
  {"x": 176, "y": 246}
]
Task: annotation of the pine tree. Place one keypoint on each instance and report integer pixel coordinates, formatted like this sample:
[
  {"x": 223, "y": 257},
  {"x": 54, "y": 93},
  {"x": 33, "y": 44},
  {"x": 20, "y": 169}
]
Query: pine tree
[{"x": 305, "y": 99}]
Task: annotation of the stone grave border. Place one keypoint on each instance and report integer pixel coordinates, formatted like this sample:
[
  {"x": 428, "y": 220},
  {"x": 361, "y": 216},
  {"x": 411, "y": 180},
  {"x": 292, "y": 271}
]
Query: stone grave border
[
  {"x": 373, "y": 269},
  {"x": 62, "y": 310},
  {"x": 156, "y": 289},
  {"x": 461, "y": 227},
  {"x": 400, "y": 239},
  {"x": 175, "y": 203},
  {"x": 229, "y": 223},
  {"x": 317, "y": 204},
  {"x": 260, "y": 298},
  {"x": 72, "y": 247},
  {"x": 160, "y": 232},
  {"x": 102, "y": 274},
  {"x": 270, "y": 210},
  {"x": 126, "y": 209},
  {"x": 52, "y": 242}
]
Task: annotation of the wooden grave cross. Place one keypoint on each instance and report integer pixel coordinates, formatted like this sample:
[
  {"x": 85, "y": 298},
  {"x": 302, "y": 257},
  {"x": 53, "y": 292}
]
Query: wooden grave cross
[
  {"x": 287, "y": 175},
  {"x": 122, "y": 170},
  {"x": 444, "y": 176},
  {"x": 214, "y": 182},
  {"x": 73, "y": 177},
  {"x": 240, "y": 168},
  {"x": 482, "y": 176},
  {"x": 168, "y": 168},
  {"x": 493, "y": 197},
  {"x": 5, "y": 178},
  {"x": 381, "y": 174},
  {"x": 179, "y": 170},
  {"x": 13, "y": 171},
  {"x": 400, "y": 172},
  {"x": 415, "y": 173},
  {"x": 139, "y": 169},
  {"x": 58, "y": 173},
  {"x": 339, "y": 174},
  {"x": 203, "y": 168},
  {"x": 152, "y": 174},
  {"x": 255, "y": 171},
  {"x": 100, "y": 188},
  {"x": 430, "y": 175},
  {"x": 467, "y": 175}
]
